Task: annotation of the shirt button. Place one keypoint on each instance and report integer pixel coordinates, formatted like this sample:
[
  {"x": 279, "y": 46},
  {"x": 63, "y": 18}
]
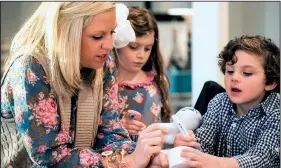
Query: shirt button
[{"x": 233, "y": 124}]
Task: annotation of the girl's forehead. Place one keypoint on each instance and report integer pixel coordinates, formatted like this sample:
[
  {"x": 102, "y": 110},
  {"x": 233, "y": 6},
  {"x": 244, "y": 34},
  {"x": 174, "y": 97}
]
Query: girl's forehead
[{"x": 146, "y": 39}]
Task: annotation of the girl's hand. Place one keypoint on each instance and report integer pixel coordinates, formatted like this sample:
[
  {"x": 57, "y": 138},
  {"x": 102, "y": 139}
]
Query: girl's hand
[
  {"x": 184, "y": 140},
  {"x": 134, "y": 126},
  {"x": 149, "y": 143}
]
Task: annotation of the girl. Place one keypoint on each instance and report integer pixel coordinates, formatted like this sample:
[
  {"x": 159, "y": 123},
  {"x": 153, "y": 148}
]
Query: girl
[{"x": 143, "y": 85}]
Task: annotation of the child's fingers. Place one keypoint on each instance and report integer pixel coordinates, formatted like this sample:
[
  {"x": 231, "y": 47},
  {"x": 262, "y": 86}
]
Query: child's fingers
[
  {"x": 191, "y": 150},
  {"x": 186, "y": 138},
  {"x": 155, "y": 126},
  {"x": 132, "y": 132},
  {"x": 137, "y": 123},
  {"x": 133, "y": 127},
  {"x": 191, "y": 163},
  {"x": 190, "y": 155},
  {"x": 191, "y": 133},
  {"x": 137, "y": 115},
  {"x": 189, "y": 144},
  {"x": 194, "y": 157},
  {"x": 126, "y": 122}
]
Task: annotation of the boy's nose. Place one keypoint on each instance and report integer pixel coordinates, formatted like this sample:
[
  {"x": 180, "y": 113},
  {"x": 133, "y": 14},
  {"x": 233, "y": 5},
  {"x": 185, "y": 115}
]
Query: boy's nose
[{"x": 235, "y": 77}]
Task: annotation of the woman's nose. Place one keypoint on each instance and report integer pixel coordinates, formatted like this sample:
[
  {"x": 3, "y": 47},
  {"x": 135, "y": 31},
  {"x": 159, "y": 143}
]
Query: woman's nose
[{"x": 108, "y": 43}]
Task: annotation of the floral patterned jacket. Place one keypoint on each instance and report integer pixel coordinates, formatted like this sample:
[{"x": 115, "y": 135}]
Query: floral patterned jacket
[
  {"x": 144, "y": 97},
  {"x": 27, "y": 96}
]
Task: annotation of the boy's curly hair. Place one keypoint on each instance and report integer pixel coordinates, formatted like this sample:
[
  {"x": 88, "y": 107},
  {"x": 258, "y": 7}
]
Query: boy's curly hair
[{"x": 259, "y": 46}]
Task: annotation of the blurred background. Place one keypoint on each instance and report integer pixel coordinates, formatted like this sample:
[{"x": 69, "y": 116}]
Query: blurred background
[{"x": 192, "y": 34}]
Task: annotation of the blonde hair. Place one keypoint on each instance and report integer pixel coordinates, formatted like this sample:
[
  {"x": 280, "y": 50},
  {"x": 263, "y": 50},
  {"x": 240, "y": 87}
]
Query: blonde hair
[{"x": 53, "y": 33}]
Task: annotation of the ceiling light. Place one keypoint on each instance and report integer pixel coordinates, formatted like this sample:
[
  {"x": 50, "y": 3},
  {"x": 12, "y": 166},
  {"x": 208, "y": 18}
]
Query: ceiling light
[{"x": 180, "y": 11}]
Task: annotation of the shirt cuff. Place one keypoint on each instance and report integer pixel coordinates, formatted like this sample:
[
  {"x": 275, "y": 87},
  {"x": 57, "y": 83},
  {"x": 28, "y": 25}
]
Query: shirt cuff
[{"x": 244, "y": 161}]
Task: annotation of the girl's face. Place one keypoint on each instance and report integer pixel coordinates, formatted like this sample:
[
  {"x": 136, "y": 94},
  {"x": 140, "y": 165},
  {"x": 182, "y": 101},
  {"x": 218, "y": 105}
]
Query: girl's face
[
  {"x": 134, "y": 56},
  {"x": 245, "y": 80},
  {"x": 97, "y": 40}
]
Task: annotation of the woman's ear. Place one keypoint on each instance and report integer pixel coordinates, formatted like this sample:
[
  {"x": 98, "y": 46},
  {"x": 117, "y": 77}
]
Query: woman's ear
[{"x": 270, "y": 87}]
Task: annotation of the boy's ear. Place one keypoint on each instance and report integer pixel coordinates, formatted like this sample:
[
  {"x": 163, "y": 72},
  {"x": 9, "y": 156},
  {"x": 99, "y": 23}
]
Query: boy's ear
[{"x": 270, "y": 86}]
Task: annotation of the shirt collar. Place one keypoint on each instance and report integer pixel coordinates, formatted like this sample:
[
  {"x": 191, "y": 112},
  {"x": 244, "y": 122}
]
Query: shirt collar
[{"x": 270, "y": 102}]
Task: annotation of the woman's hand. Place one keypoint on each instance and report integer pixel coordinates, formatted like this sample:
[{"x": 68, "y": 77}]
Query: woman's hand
[
  {"x": 184, "y": 140},
  {"x": 149, "y": 143},
  {"x": 134, "y": 126},
  {"x": 159, "y": 161}
]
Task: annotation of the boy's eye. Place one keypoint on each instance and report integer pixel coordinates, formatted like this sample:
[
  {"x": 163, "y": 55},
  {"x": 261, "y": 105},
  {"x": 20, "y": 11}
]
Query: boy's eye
[
  {"x": 229, "y": 72},
  {"x": 247, "y": 74}
]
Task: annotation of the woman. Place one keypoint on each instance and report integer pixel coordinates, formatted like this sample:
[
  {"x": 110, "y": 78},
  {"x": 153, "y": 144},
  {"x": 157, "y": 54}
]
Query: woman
[{"x": 53, "y": 87}]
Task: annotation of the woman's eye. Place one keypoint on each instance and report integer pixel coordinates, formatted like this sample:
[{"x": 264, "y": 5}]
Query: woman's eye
[
  {"x": 112, "y": 32},
  {"x": 247, "y": 74},
  {"x": 97, "y": 37}
]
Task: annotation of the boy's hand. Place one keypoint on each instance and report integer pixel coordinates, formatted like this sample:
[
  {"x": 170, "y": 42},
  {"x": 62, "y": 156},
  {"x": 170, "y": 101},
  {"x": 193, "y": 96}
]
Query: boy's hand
[
  {"x": 199, "y": 159},
  {"x": 134, "y": 126},
  {"x": 184, "y": 140}
]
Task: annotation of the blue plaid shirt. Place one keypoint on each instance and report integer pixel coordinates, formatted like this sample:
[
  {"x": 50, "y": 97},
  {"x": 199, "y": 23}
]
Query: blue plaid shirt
[{"x": 253, "y": 140}]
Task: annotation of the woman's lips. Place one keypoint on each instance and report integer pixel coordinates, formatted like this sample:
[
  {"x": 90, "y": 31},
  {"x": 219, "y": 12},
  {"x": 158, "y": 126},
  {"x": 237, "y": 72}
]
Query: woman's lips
[{"x": 102, "y": 57}]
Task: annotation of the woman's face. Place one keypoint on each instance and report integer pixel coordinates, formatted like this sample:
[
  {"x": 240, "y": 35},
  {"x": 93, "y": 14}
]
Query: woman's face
[{"x": 97, "y": 40}]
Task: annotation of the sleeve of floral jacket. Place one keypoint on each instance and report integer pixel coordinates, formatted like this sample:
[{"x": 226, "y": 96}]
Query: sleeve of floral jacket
[
  {"x": 27, "y": 96},
  {"x": 111, "y": 135}
]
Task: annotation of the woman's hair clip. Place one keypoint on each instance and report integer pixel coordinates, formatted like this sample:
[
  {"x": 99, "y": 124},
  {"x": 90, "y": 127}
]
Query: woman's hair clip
[{"x": 124, "y": 33}]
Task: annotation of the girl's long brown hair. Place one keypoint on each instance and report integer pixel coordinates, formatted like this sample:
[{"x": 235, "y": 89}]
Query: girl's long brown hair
[{"x": 143, "y": 23}]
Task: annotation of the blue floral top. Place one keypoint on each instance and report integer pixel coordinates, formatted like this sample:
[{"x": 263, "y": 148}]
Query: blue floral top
[
  {"x": 143, "y": 97},
  {"x": 27, "y": 96}
]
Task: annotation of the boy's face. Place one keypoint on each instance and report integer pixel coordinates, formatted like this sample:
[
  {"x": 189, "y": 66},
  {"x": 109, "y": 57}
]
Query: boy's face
[{"x": 245, "y": 80}]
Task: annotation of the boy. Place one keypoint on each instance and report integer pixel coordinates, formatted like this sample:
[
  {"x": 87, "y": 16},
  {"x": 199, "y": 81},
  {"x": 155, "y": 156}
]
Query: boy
[{"x": 241, "y": 127}]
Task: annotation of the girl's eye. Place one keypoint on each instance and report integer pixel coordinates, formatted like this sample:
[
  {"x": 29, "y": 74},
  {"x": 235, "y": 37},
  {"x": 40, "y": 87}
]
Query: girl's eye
[
  {"x": 147, "y": 49},
  {"x": 133, "y": 47},
  {"x": 247, "y": 74},
  {"x": 97, "y": 37}
]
